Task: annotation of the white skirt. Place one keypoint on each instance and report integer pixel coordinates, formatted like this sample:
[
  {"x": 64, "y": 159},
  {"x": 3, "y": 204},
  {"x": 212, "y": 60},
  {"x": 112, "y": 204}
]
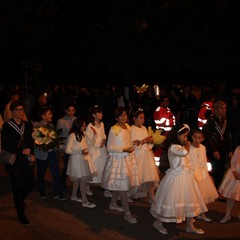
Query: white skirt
[
  {"x": 120, "y": 173},
  {"x": 78, "y": 168},
  {"x": 208, "y": 190},
  {"x": 230, "y": 187},
  {"x": 178, "y": 196}
]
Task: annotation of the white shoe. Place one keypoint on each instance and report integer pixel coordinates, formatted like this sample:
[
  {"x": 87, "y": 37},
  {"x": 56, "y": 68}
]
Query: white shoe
[
  {"x": 88, "y": 191},
  {"x": 129, "y": 218},
  {"x": 89, "y": 205},
  {"x": 204, "y": 218},
  {"x": 129, "y": 199},
  {"x": 225, "y": 219},
  {"x": 116, "y": 207},
  {"x": 195, "y": 231},
  {"x": 160, "y": 228},
  {"x": 76, "y": 199},
  {"x": 107, "y": 194}
]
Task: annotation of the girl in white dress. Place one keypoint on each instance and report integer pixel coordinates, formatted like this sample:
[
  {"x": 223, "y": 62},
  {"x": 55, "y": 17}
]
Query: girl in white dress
[
  {"x": 230, "y": 186},
  {"x": 120, "y": 172},
  {"x": 147, "y": 169},
  {"x": 79, "y": 168},
  {"x": 178, "y": 197},
  {"x": 198, "y": 159},
  {"x": 96, "y": 139}
]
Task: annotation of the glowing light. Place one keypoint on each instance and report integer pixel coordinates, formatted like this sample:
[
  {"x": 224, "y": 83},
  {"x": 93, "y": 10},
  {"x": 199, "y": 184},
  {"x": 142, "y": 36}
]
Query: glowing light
[
  {"x": 157, "y": 161},
  {"x": 156, "y": 90},
  {"x": 141, "y": 89},
  {"x": 209, "y": 166}
]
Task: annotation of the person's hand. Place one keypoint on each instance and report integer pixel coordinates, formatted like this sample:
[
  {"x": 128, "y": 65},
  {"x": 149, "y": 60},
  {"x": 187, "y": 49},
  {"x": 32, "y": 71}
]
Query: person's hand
[
  {"x": 26, "y": 151},
  {"x": 32, "y": 159},
  {"x": 149, "y": 139},
  {"x": 84, "y": 152},
  {"x": 216, "y": 155},
  {"x": 128, "y": 150},
  {"x": 136, "y": 142},
  {"x": 236, "y": 175},
  {"x": 103, "y": 143}
]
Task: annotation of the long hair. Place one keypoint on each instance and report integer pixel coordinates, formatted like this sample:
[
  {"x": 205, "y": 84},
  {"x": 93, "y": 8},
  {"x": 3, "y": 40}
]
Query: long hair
[
  {"x": 135, "y": 114},
  {"x": 173, "y": 136},
  {"x": 76, "y": 128},
  {"x": 94, "y": 110}
]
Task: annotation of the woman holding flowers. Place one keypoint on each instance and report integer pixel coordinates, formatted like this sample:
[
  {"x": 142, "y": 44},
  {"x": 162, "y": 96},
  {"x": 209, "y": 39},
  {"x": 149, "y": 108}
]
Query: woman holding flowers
[{"x": 46, "y": 139}]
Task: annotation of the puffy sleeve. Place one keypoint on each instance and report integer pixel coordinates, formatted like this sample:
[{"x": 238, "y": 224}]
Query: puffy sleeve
[
  {"x": 72, "y": 145},
  {"x": 178, "y": 150}
]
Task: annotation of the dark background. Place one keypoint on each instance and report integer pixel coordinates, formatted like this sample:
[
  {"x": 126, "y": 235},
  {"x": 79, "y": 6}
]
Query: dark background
[{"x": 125, "y": 41}]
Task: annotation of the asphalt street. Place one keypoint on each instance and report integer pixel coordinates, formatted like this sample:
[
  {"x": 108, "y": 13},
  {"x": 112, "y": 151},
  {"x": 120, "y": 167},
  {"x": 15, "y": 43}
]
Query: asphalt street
[{"x": 54, "y": 219}]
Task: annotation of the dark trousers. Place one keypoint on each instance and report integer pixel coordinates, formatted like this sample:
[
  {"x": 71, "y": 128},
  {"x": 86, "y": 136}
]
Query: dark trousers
[
  {"x": 64, "y": 170},
  {"x": 53, "y": 163},
  {"x": 22, "y": 180},
  {"x": 218, "y": 170}
]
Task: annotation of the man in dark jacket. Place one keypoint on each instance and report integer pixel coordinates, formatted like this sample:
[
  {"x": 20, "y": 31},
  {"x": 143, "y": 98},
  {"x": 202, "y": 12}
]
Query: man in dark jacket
[
  {"x": 17, "y": 138},
  {"x": 217, "y": 141}
]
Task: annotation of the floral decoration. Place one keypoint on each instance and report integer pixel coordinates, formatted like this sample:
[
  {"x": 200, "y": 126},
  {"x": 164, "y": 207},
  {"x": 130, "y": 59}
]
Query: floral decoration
[{"x": 47, "y": 138}]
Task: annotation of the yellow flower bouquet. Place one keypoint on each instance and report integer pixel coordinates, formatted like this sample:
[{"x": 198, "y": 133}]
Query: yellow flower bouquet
[
  {"x": 46, "y": 137},
  {"x": 158, "y": 139}
]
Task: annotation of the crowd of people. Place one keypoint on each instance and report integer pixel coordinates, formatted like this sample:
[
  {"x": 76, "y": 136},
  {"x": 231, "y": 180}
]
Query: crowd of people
[{"x": 108, "y": 145}]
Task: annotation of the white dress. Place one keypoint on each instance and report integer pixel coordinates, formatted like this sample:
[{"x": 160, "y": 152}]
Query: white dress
[
  {"x": 79, "y": 165},
  {"x": 120, "y": 172},
  {"x": 178, "y": 195},
  {"x": 230, "y": 187},
  {"x": 198, "y": 160},
  {"x": 98, "y": 154},
  {"x": 147, "y": 169}
]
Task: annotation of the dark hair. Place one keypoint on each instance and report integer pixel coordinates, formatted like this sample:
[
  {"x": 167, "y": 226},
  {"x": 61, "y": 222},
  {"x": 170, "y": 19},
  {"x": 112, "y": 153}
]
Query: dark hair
[
  {"x": 15, "y": 104},
  {"x": 43, "y": 110},
  {"x": 134, "y": 114},
  {"x": 173, "y": 135},
  {"x": 163, "y": 97},
  {"x": 119, "y": 111},
  {"x": 138, "y": 112},
  {"x": 76, "y": 128},
  {"x": 197, "y": 130},
  {"x": 14, "y": 92},
  {"x": 69, "y": 104},
  {"x": 94, "y": 110}
]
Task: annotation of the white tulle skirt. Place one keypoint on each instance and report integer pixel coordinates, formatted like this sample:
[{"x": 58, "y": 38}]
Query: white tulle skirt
[
  {"x": 208, "y": 190},
  {"x": 178, "y": 196},
  {"x": 230, "y": 187},
  {"x": 78, "y": 168}
]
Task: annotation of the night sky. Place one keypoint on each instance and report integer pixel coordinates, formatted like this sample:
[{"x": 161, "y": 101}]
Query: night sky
[{"x": 127, "y": 41}]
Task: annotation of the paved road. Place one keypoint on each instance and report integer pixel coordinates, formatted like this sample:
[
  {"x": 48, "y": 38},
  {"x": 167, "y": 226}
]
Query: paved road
[{"x": 54, "y": 219}]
